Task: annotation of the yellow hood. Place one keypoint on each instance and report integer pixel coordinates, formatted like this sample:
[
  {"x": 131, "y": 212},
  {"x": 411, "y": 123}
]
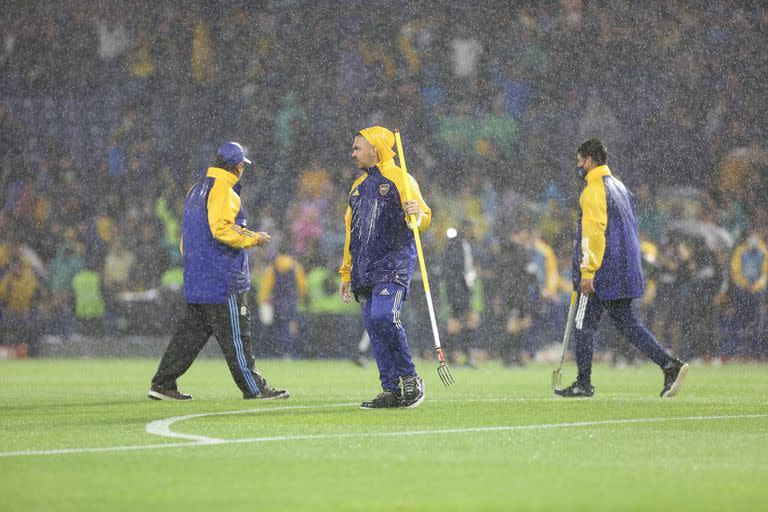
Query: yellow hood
[{"x": 382, "y": 139}]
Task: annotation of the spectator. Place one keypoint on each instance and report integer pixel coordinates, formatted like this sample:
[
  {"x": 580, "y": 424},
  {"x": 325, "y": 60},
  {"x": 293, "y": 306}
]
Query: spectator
[
  {"x": 87, "y": 287},
  {"x": 64, "y": 266},
  {"x": 458, "y": 275},
  {"x": 326, "y": 313},
  {"x": 151, "y": 260},
  {"x": 119, "y": 267},
  {"x": 19, "y": 293},
  {"x": 749, "y": 274},
  {"x": 544, "y": 261},
  {"x": 509, "y": 308},
  {"x": 703, "y": 279},
  {"x": 284, "y": 287}
]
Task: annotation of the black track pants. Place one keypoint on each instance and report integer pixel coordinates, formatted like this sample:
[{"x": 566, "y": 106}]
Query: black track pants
[{"x": 230, "y": 324}]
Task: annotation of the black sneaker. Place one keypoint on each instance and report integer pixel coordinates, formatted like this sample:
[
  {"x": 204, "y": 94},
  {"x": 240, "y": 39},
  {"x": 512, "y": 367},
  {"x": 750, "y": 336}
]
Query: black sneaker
[
  {"x": 269, "y": 393},
  {"x": 413, "y": 391},
  {"x": 576, "y": 390},
  {"x": 158, "y": 393},
  {"x": 385, "y": 399},
  {"x": 674, "y": 375}
]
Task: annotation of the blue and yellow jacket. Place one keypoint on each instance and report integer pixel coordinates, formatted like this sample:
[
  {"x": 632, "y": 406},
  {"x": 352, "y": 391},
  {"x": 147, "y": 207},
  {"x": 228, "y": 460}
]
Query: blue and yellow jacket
[
  {"x": 214, "y": 239},
  {"x": 607, "y": 245},
  {"x": 749, "y": 267},
  {"x": 379, "y": 246}
]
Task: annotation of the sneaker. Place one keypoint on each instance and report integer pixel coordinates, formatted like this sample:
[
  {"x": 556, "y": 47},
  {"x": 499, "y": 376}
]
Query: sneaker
[
  {"x": 413, "y": 391},
  {"x": 158, "y": 393},
  {"x": 576, "y": 390},
  {"x": 385, "y": 399},
  {"x": 269, "y": 393},
  {"x": 674, "y": 375}
]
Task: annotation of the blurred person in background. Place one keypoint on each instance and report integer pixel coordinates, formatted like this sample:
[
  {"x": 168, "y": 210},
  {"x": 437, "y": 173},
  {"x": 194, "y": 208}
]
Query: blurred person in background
[
  {"x": 649, "y": 252},
  {"x": 671, "y": 288},
  {"x": 312, "y": 206},
  {"x": 68, "y": 261},
  {"x": 284, "y": 289},
  {"x": 88, "y": 291},
  {"x": 152, "y": 259},
  {"x": 378, "y": 261},
  {"x": 119, "y": 264},
  {"x": 607, "y": 272},
  {"x": 19, "y": 292},
  {"x": 509, "y": 291},
  {"x": 458, "y": 275},
  {"x": 749, "y": 275},
  {"x": 702, "y": 279},
  {"x": 216, "y": 279},
  {"x": 546, "y": 298},
  {"x": 326, "y": 313}
]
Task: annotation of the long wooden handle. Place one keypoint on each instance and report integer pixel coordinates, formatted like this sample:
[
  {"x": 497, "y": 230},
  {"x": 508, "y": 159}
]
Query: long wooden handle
[{"x": 419, "y": 252}]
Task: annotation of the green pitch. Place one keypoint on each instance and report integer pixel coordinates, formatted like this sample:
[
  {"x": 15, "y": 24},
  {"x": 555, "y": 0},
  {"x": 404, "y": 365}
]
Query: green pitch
[{"x": 81, "y": 435}]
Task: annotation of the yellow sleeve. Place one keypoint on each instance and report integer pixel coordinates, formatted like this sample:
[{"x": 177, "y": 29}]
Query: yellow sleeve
[
  {"x": 550, "y": 265},
  {"x": 594, "y": 222},
  {"x": 346, "y": 259},
  {"x": 267, "y": 284},
  {"x": 223, "y": 206},
  {"x": 736, "y": 273},
  {"x": 426, "y": 211},
  {"x": 301, "y": 282}
]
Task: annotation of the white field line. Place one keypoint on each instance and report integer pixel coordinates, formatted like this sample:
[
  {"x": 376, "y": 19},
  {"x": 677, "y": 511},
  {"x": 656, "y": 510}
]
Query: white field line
[
  {"x": 500, "y": 428},
  {"x": 162, "y": 428}
]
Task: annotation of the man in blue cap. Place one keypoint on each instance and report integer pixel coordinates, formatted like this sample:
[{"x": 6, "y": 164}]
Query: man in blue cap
[{"x": 216, "y": 279}]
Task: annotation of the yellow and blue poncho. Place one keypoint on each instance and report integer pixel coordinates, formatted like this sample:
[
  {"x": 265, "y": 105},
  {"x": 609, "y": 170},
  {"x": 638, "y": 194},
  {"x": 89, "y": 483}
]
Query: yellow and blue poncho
[{"x": 379, "y": 246}]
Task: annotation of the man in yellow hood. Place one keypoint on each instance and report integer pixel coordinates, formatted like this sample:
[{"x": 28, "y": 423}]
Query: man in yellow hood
[{"x": 378, "y": 261}]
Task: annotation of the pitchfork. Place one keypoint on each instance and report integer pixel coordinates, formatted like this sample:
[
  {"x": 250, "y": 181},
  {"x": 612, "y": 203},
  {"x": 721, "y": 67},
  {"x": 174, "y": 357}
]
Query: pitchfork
[
  {"x": 556, "y": 375},
  {"x": 442, "y": 369}
]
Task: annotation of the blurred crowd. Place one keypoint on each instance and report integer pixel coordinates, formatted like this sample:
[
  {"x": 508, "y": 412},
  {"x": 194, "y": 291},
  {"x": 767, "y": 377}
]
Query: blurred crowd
[{"x": 108, "y": 114}]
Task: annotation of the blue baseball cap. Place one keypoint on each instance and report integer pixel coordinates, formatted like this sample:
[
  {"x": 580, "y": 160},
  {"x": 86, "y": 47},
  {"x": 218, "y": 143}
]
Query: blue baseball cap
[{"x": 233, "y": 153}]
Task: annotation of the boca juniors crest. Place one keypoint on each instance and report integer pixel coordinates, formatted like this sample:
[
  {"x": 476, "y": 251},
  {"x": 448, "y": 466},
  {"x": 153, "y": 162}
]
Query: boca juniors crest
[{"x": 384, "y": 188}]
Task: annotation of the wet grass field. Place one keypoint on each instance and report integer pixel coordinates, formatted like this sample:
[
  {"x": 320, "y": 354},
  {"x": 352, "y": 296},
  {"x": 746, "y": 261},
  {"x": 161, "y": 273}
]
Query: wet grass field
[{"x": 81, "y": 435}]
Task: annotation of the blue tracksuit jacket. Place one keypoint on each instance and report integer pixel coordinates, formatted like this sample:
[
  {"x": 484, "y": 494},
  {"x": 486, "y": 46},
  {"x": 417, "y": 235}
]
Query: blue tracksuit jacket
[{"x": 607, "y": 247}]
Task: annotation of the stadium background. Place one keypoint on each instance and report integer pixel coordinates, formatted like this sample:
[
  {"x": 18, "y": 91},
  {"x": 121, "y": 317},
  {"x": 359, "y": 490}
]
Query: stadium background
[{"x": 108, "y": 114}]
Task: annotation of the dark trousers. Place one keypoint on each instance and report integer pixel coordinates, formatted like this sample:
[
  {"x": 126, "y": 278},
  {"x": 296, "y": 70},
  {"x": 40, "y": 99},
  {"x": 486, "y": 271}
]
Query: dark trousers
[
  {"x": 381, "y": 315},
  {"x": 230, "y": 324},
  {"x": 746, "y": 322},
  {"x": 620, "y": 311},
  {"x": 286, "y": 344}
]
